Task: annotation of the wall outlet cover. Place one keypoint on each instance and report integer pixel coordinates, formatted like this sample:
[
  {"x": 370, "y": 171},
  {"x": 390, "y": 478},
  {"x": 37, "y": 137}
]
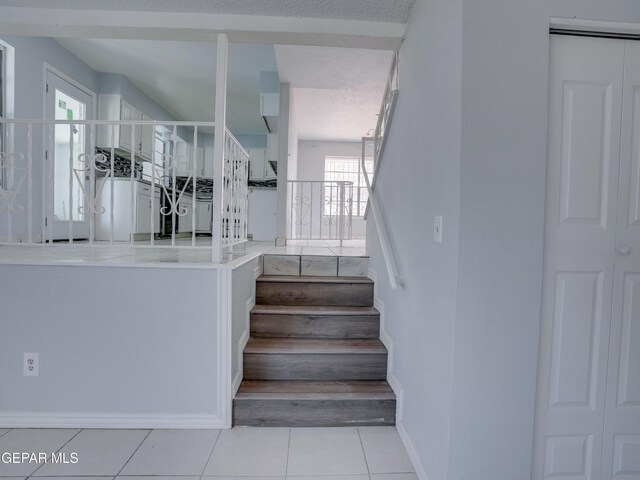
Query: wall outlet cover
[{"x": 31, "y": 365}]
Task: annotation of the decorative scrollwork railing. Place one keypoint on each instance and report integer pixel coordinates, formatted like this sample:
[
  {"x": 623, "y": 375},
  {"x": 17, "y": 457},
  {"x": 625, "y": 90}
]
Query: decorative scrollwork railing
[
  {"x": 76, "y": 180},
  {"x": 320, "y": 210}
]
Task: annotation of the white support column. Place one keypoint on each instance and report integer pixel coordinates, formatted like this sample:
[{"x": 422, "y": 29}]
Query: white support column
[
  {"x": 283, "y": 218},
  {"x": 218, "y": 145}
]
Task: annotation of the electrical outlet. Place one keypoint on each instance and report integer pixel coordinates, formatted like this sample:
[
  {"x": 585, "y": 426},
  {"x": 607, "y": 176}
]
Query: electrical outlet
[
  {"x": 31, "y": 365},
  {"x": 437, "y": 230}
]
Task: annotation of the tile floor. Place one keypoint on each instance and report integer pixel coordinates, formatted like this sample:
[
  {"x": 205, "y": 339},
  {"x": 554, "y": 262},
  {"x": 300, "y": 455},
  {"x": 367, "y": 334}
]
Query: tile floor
[
  {"x": 363, "y": 453},
  {"x": 164, "y": 255}
]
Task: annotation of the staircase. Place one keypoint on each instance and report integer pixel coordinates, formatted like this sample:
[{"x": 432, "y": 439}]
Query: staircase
[{"x": 314, "y": 357}]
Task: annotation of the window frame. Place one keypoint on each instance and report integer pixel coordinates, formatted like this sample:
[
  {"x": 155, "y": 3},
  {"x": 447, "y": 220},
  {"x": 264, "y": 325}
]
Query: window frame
[{"x": 359, "y": 205}]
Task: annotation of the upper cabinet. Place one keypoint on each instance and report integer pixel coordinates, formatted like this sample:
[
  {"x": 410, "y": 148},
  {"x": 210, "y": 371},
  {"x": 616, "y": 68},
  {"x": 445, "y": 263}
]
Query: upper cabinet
[
  {"x": 115, "y": 108},
  {"x": 259, "y": 166}
]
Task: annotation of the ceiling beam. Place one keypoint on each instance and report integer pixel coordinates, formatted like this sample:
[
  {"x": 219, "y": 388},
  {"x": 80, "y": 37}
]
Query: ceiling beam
[{"x": 49, "y": 22}]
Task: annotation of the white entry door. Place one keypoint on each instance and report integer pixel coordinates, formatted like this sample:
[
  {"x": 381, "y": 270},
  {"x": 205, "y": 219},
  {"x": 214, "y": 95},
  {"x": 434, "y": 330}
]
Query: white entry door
[
  {"x": 586, "y": 268},
  {"x": 67, "y": 215}
]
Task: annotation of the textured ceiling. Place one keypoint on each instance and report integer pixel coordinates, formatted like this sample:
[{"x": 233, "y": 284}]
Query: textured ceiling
[
  {"x": 397, "y": 11},
  {"x": 180, "y": 76},
  {"x": 338, "y": 91}
]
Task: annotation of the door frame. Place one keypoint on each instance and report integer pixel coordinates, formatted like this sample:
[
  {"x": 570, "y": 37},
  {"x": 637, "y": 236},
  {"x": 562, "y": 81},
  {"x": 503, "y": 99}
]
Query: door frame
[{"x": 47, "y": 68}]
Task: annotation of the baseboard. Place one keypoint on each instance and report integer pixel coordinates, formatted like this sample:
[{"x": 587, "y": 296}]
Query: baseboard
[
  {"x": 108, "y": 420},
  {"x": 411, "y": 451}
]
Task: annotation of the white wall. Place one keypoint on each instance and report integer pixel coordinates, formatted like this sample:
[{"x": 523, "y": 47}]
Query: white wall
[
  {"x": 504, "y": 98},
  {"x": 113, "y": 343},
  {"x": 311, "y": 154},
  {"x": 469, "y": 142},
  {"x": 121, "y": 85},
  {"x": 243, "y": 294},
  {"x": 31, "y": 53},
  {"x": 252, "y": 141},
  {"x": 418, "y": 179}
]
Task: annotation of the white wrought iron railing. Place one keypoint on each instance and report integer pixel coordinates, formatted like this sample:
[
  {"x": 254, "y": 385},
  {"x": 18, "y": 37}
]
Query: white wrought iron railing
[
  {"x": 236, "y": 192},
  {"x": 76, "y": 181},
  {"x": 320, "y": 210},
  {"x": 379, "y": 141}
]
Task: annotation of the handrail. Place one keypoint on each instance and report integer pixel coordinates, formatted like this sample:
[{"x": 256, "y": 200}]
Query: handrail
[
  {"x": 379, "y": 142},
  {"x": 385, "y": 242}
]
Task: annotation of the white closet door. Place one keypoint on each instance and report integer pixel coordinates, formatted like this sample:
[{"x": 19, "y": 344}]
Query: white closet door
[
  {"x": 585, "y": 98},
  {"x": 621, "y": 454}
]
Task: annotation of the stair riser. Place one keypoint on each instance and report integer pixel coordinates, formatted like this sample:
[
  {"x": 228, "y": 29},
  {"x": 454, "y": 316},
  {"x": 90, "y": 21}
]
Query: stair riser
[
  {"x": 277, "y": 366},
  {"x": 315, "y": 326},
  {"x": 313, "y": 413},
  {"x": 314, "y": 294}
]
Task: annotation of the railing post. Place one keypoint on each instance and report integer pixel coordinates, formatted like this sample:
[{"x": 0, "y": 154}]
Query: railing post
[
  {"x": 341, "y": 228},
  {"x": 218, "y": 147}
]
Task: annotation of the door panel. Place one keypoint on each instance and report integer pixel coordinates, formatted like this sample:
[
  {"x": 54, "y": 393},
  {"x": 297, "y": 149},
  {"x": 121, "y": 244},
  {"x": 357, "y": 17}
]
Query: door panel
[
  {"x": 585, "y": 97},
  {"x": 634, "y": 167},
  {"x": 567, "y": 457},
  {"x": 621, "y": 453},
  {"x": 585, "y": 152},
  {"x": 576, "y": 341},
  {"x": 628, "y": 396}
]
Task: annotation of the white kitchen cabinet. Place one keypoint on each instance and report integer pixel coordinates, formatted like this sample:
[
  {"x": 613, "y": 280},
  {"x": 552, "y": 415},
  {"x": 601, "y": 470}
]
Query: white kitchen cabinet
[
  {"x": 181, "y": 158},
  {"x": 260, "y": 168},
  {"x": 115, "y": 108},
  {"x": 148, "y": 138},
  {"x": 262, "y": 216},
  {"x": 207, "y": 169},
  {"x": 124, "y": 208},
  {"x": 185, "y": 222},
  {"x": 203, "y": 216},
  {"x": 144, "y": 212},
  {"x": 256, "y": 163}
]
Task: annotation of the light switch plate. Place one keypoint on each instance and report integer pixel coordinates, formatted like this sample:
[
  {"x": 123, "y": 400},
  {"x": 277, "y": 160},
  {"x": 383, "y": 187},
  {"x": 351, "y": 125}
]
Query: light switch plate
[{"x": 437, "y": 230}]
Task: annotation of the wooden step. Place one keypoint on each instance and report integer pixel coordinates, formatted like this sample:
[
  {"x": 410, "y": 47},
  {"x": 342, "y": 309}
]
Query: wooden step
[
  {"x": 314, "y": 359},
  {"x": 315, "y": 321},
  {"x": 309, "y": 291},
  {"x": 314, "y": 404}
]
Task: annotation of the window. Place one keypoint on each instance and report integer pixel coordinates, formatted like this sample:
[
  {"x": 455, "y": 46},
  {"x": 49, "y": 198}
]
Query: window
[{"x": 349, "y": 169}]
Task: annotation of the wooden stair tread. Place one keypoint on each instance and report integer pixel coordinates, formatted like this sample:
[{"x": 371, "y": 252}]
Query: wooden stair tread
[
  {"x": 314, "y": 346},
  {"x": 315, "y": 390},
  {"x": 313, "y": 310},
  {"x": 312, "y": 279}
]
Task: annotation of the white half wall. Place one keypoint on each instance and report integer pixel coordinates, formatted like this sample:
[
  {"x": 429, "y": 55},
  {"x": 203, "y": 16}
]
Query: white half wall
[
  {"x": 243, "y": 295},
  {"x": 119, "y": 347}
]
